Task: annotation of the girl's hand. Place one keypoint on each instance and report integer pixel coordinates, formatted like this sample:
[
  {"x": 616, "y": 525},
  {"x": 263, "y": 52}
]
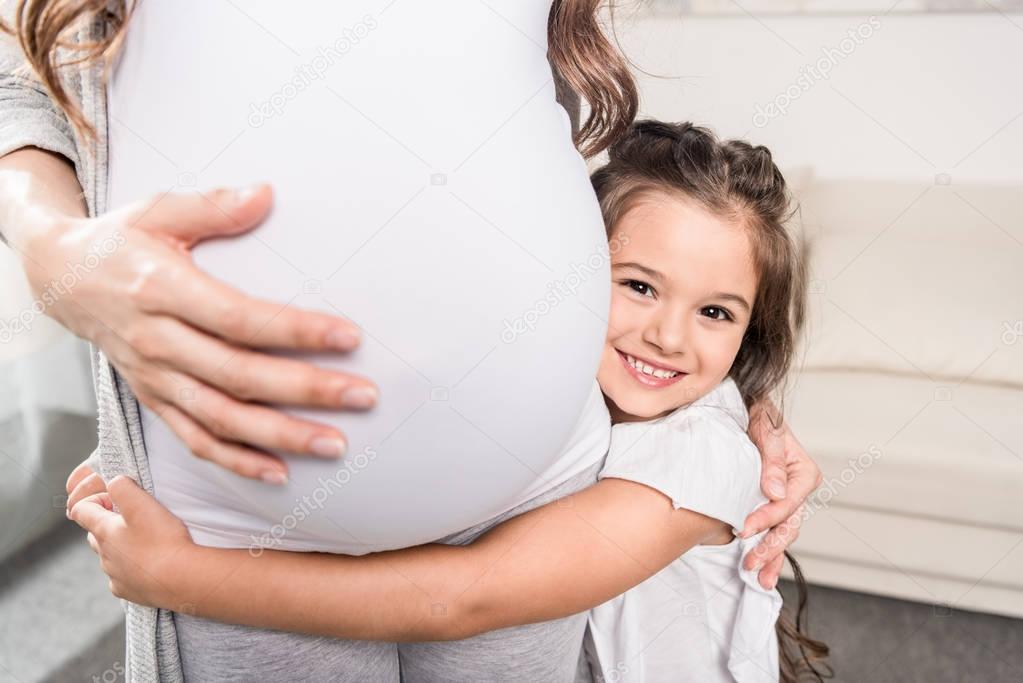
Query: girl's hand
[
  {"x": 82, "y": 483},
  {"x": 789, "y": 476},
  {"x": 140, "y": 546},
  {"x": 186, "y": 343}
]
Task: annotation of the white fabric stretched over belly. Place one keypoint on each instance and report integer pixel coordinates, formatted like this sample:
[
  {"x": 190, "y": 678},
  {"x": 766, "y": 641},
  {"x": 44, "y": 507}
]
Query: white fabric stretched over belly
[{"x": 427, "y": 188}]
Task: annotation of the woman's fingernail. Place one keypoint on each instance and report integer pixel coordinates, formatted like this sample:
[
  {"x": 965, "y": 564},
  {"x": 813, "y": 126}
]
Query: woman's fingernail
[
  {"x": 359, "y": 397},
  {"x": 243, "y": 194},
  {"x": 776, "y": 487},
  {"x": 328, "y": 446},
  {"x": 342, "y": 339},
  {"x": 274, "y": 477},
  {"x": 772, "y": 583}
]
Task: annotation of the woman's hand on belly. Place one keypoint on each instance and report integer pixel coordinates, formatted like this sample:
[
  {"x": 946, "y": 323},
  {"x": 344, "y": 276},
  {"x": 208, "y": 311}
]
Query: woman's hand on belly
[{"x": 187, "y": 343}]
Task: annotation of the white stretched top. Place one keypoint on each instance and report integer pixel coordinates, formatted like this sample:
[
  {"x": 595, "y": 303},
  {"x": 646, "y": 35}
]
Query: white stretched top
[
  {"x": 428, "y": 189},
  {"x": 703, "y": 618}
]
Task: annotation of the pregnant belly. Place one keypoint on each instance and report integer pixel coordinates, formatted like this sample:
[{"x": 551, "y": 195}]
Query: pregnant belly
[{"x": 426, "y": 188}]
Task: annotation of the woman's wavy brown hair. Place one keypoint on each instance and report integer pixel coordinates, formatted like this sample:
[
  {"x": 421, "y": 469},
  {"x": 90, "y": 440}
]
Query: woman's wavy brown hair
[
  {"x": 739, "y": 182},
  {"x": 580, "y": 53}
]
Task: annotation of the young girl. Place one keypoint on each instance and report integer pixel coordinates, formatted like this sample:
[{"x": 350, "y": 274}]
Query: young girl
[{"x": 708, "y": 299}]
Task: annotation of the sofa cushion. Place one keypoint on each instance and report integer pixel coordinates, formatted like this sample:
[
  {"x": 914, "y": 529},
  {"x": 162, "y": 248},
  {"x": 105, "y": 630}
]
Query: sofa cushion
[
  {"x": 904, "y": 444},
  {"x": 921, "y": 279},
  {"x": 921, "y": 488}
]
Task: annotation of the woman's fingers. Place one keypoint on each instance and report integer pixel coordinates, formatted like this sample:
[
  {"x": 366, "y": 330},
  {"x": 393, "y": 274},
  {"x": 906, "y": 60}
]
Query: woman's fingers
[
  {"x": 250, "y": 375},
  {"x": 235, "y": 457},
  {"x": 255, "y": 425},
  {"x": 90, "y": 485},
  {"x": 222, "y": 429},
  {"x": 186, "y": 218},
  {"x": 260, "y": 426},
  {"x": 202, "y": 301}
]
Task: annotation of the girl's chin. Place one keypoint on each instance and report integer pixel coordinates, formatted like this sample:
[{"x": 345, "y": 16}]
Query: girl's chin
[{"x": 640, "y": 409}]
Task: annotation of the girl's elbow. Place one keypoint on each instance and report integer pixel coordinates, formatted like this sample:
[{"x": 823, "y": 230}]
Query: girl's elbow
[
  {"x": 448, "y": 622},
  {"x": 477, "y": 616}
]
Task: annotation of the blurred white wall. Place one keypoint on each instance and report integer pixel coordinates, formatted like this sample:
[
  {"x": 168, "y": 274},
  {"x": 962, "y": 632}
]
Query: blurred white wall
[{"x": 919, "y": 96}]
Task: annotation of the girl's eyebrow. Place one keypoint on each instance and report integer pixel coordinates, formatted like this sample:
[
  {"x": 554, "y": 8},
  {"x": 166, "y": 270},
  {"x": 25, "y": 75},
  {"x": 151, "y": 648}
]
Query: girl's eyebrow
[
  {"x": 732, "y": 297},
  {"x": 649, "y": 272}
]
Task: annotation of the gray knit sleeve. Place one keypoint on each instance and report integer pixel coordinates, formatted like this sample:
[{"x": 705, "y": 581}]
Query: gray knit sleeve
[{"x": 28, "y": 117}]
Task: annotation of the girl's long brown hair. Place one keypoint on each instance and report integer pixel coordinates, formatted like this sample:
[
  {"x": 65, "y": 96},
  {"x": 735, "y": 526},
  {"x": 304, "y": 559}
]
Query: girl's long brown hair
[
  {"x": 580, "y": 53},
  {"x": 739, "y": 182}
]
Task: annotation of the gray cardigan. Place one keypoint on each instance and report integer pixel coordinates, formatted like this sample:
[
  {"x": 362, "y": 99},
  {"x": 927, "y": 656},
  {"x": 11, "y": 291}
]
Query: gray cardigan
[{"x": 28, "y": 118}]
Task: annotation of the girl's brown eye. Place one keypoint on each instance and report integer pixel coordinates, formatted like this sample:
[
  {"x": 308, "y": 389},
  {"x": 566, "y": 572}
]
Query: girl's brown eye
[
  {"x": 725, "y": 315},
  {"x": 641, "y": 288}
]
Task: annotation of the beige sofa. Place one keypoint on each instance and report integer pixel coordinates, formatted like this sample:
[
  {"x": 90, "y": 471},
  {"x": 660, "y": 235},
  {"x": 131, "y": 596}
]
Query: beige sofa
[{"x": 910, "y": 390}]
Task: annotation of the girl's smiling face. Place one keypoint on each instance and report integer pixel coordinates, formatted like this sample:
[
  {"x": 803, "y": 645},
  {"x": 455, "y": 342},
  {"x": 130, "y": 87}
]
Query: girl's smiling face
[{"x": 683, "y": 287}]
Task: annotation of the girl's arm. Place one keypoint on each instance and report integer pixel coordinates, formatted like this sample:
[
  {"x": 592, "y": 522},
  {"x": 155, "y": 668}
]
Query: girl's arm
[{"x": 559, "y": 559}]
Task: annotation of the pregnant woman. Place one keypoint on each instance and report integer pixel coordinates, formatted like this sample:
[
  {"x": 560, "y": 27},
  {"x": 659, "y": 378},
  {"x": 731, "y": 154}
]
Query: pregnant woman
[{"x": 441, "y": 172}]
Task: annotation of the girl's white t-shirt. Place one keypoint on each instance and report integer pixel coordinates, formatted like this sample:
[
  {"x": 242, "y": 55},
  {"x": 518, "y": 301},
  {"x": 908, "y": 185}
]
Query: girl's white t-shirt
[{"x": 703, "y": 617}]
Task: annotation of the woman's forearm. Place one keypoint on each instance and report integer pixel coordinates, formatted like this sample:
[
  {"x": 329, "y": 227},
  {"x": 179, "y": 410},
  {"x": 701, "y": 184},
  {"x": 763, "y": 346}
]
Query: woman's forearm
[{"x": 38, "y": 191}]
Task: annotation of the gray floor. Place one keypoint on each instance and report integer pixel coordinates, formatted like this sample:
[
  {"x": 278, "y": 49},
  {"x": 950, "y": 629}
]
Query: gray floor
[
  {"x": 891, "y": 641},
  {"x": 57, "y": 618}
]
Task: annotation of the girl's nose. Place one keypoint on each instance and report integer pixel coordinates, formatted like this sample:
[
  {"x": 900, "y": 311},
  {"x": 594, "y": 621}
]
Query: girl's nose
[{"x": 667, "y": 331}]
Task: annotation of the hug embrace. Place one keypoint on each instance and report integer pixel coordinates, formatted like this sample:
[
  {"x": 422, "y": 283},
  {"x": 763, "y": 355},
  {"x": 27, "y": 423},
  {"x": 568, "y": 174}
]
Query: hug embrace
[{"x": 649, "y": 550}]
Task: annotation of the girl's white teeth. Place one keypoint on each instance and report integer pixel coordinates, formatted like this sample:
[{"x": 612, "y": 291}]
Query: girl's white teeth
[{"x": 647, "y": 370}]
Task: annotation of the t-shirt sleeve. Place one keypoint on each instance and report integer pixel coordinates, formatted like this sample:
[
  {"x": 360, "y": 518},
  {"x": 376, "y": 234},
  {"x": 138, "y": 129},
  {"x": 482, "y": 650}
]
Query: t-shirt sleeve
[{"x": 701, "y": 460}]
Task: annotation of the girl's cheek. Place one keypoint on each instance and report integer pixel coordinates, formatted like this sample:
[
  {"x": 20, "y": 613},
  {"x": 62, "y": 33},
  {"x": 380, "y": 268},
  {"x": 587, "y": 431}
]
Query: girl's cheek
[
  {"x": 729, "y": 350},
  {"x": 623, "y": 316}
]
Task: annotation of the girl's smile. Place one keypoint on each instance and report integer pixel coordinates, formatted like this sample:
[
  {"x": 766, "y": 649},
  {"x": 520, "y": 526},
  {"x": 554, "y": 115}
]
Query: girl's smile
[{"x": 650, "y": 373}]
